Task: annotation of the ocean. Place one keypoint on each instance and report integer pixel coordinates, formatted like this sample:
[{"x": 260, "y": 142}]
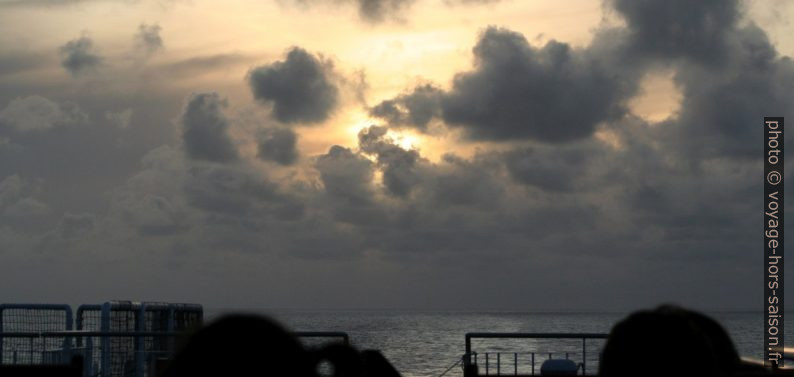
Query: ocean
[{"x": 427, "y": 343}]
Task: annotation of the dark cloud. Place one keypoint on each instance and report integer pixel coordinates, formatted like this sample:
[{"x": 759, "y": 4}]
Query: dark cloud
[
  {"x": 399, "y": 166},
  {"x": 148, "y": 39},
  {"x": 205, "y": 129},
  {"x": 378, "y": 10},
  {"x": 228, "y": 190},
  {"x": 553, "y": 94},
  {"x": 415, "y": 109},
  {"x": 278, "y": 145},
  {"x": 578, "y": 166},
  {"x": 300, "y": 88},
  {"x": 679, "y": 28},
  {"x": 346, "y": 175},
  {"x": 462, "y": 182},
  {"x": 78, "y": 56},
  {"x": 729, "y": 73}
]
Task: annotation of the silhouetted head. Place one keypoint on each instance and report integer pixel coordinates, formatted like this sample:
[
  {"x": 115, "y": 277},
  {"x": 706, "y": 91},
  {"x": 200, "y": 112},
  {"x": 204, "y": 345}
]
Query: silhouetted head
[
  {"x": 240, "y": 345},
  {"x": 668, "y": 341}
]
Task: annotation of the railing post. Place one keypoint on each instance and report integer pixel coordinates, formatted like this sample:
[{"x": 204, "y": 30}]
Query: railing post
[
  {"x": 486, "y": 363},
  {"x": 105, "y": 341},
  {"x": 2, "y": 350},
  {"x": 533, "y": 363},
  {"x": 498, "y": 363},
  {"x": 139, "y": 342},
  {"x": 467, "y": 358},
  {"x": 515, "y": 363},
  {"x": 88, "y": 356},
  {"x": 584, "y": 357}
]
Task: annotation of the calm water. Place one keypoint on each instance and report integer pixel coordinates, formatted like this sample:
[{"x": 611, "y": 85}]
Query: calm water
[{"x": 426, "y": 343}]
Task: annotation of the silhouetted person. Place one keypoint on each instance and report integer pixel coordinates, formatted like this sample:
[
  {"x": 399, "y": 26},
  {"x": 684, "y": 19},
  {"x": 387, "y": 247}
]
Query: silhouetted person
[
  {"x": 346, "y": 361},
  {"x": 241, "y": 345},
  {"x": 375, "y": 364},
  {"x": 668, "y": 341}
]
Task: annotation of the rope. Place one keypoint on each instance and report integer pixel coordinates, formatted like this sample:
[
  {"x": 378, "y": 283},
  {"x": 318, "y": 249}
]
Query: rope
[{"x": 450, "y": 367}]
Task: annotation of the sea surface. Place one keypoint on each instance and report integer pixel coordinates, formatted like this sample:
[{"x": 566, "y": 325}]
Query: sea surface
[{"x": 422, "y": 343}]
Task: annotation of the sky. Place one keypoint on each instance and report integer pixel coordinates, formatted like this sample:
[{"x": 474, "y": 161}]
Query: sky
[{"x": 600, "y": 155}]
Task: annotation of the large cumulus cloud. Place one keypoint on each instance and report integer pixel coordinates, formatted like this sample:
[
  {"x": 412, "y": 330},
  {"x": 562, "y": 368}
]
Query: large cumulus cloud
[
  {"x": 555, "y": 93},
  {"x": 205, "y": 129},
  {"x": 300, "y": 88}
]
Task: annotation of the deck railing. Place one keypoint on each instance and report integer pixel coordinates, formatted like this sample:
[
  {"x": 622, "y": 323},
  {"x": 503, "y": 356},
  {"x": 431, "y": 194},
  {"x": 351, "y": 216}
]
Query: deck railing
[
  {"x": 475, "y": 364},
  {"x": 59, "y": 347}
]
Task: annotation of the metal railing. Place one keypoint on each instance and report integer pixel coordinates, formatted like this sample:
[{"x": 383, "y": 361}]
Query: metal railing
[
  {"x": 114, "y": 339},
  {"x": 471, "y": 358},
  {"x": 35, "y": 350}
]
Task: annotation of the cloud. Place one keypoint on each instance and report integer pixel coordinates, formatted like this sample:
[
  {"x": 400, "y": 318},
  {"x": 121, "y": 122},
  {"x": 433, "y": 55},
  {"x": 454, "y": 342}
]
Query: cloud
[
  {"x": 415, "y": 109},
  {"x": 573, "y": 184},
  {"x": 346, "y": 175},
  {"x": 20, "y": 209},
  {"x": 205, "y": 129},
  {"x": 553, "y": 94},
  {"x": 300, "y": 88},
  {"x": 566, "y": 168},
  {"x": 399, "y": 166},
  {"x": 729, "y": 73},
  {"x": 377, "y": 11},
  {"x": 121, "y": 118},
  {"x": 148, "y": 40},
  {"x": 37, "y": 113},
  {"x": 679, "y": 28},
  {"x": 78, "y": 56},
  {"x": 76, "y": 225},
  {"x": 150, "y": 201},
  {"x": 229, "y": 190},
  {"x": 278, "y": 145}
]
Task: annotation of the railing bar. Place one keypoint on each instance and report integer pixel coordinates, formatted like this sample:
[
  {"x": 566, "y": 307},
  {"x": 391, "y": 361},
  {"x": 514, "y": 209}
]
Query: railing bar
[
  {"x": 584, "y": 357},
  {"x": 533, "y": 363}
]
